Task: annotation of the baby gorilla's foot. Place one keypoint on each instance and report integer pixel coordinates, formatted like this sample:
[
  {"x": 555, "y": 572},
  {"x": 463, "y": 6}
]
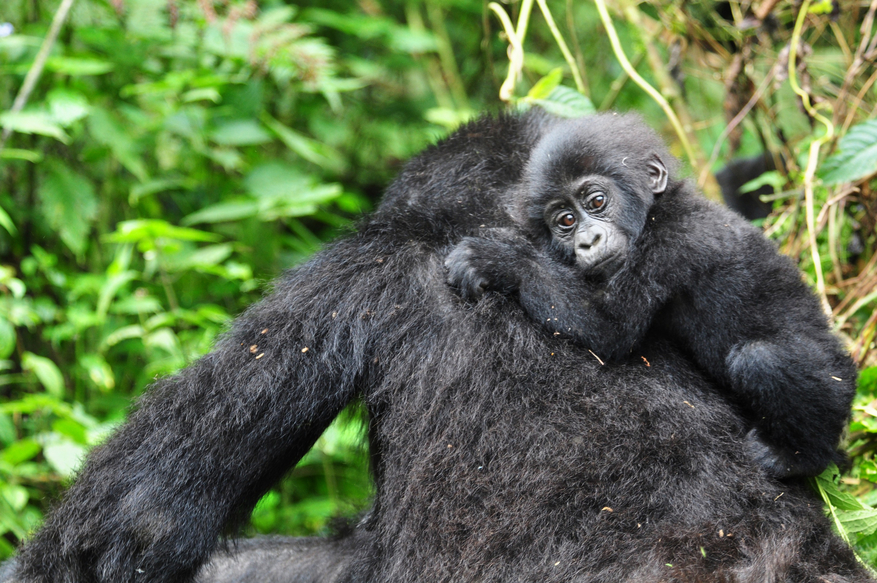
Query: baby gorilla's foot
[{"x": 781, "y": 463}]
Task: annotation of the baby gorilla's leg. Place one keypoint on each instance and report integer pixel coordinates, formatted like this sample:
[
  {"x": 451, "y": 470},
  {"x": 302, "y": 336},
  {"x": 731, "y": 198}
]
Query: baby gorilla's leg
[{"x": 798, "y": 418}]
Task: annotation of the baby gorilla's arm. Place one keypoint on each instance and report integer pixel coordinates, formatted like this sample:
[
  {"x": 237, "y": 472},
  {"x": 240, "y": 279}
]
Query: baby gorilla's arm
[{"x": 552, "y": 293}]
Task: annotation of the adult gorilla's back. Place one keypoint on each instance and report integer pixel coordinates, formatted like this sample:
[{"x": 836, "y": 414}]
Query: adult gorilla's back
[{"x": 501, "y": 454}]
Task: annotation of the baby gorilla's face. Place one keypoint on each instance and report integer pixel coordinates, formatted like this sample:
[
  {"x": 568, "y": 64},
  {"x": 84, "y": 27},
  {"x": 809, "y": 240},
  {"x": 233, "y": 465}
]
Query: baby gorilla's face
[
  {"x": 592, "y": 194},
  {"x": 586, "y": 226}
]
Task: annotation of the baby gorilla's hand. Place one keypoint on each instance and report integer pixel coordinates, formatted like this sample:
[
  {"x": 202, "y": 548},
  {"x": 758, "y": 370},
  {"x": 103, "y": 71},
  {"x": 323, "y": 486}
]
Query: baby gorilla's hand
[{"x": 492, "y": 263}]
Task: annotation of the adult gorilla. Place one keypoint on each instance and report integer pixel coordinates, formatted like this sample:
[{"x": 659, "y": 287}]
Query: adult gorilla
[{"x": 500, "y": 452}]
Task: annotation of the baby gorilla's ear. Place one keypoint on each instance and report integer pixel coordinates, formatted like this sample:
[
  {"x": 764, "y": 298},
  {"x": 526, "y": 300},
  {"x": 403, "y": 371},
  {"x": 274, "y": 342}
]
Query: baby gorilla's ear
[{"x": 658, "y": 175}]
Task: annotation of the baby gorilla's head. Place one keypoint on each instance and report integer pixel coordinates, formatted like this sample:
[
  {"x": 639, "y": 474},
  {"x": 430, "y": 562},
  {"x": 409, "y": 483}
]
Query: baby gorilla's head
[{"x": 589, "y": 185}]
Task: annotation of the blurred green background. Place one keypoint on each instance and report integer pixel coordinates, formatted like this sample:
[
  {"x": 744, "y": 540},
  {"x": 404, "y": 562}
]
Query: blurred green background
[{"x": 173, "y": 156}]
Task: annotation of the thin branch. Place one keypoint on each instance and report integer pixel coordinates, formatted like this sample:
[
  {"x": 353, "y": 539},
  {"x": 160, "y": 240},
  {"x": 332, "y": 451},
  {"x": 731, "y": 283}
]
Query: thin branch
[
  {"x": 813, "y": 154},
  {"x": 644, "y": 85},
  {"x": 33, "y": 75},
  {"x": 558, "y": 38}
]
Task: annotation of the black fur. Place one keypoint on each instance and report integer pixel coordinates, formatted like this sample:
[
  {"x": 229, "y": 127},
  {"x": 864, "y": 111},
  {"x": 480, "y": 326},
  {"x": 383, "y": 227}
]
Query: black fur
[
  {"x": 500, "y": 452},
  {"x": 709, "y": 277}
]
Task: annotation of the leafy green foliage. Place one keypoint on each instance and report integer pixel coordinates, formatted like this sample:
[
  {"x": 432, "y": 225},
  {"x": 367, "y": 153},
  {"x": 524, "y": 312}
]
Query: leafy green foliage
[{"x": 856, "y": 158}]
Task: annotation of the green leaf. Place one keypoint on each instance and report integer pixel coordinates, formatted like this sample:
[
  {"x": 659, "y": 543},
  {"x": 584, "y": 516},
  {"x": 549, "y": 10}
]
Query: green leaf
[
  {"x": 76, "y": 67},
  {"x": 241, "y": 132},
  {"x": 106, "y": 130},
  {"x": 311, "y": 150},
  {"x": 69, "y": 204},
  {"x": 33, "y": 122},
  {"x": 233, "y": 210},
  {"x": 16, "y": 496},
  {"x": 840, "y": 500},
  {"x": 543, "y": 88},
  {"x": 67, "y": 107},
  {"x": 6, "y": 222},
  {"x": 859, "y": 521},
  {"x": 7, "y": 430},
  {"x": 856, "y": 157},
  {"x": 566, "y": 102},
  {"x": 20, "y": 451},
  {"x": 7, "y": 338},
  {"x": 18, "y": 154},
  {"x": 125, "y": 333},
  {"x": 150, "y": 229},
  {"x": 821, "y": 7},
  {"x": 46, "y": 371},
  {"x": 773, "y": 179},
  {"x": 274, "y": 180}
]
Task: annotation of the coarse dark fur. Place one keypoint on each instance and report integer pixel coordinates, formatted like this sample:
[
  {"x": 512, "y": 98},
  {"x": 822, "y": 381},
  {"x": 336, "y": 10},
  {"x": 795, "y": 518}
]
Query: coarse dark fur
[
  {"x": 500, "y": 453},
  {"x": 693, "y": 268},
  {"x": 735, "y": 174}
]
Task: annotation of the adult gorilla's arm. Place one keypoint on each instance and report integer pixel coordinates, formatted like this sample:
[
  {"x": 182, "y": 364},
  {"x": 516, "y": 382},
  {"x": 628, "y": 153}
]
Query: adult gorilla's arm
[{"x": 206, "y": 443}]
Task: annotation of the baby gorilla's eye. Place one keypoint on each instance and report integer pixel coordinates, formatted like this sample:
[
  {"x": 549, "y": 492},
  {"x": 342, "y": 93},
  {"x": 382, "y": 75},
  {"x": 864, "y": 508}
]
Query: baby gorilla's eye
[
  {"x": 566, "y": 220},
  {"x": 596, "y": 202}
]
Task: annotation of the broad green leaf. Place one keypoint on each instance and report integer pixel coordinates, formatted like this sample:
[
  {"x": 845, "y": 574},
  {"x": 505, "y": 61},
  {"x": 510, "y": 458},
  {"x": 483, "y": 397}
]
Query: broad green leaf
[
  {"x": 208, "y": 256},
  {"x": 76, "y": 67},
  {"x": 69, "y": 205},
  {"x": 203, "y": 94},
  {"x": 241, "y": 132},
  {"x": 46, "y": 371},
  {"x": 311, "y": 150},
  {"x": 856, "y": 157},
  {"x": 274, "y": 179},
  {"x": 859, "y": 521},
  {"x": 543, "y": 88},
  {"x": 8, "y": 432},
  {"x": 821, "y": 7},
  {"x": 108, "y": 290},
  {"x": 221, "y": 212},
  {"x": 150, "y": 229},
  {"x": 16, "y": 496},
  {"x": 566, "y": 102},
  {"x": 33, "y": 122},
  {"x": 6, "y": 222},
  {"x": 67, "y": 107},
  {"x": 20, "y": 451},
  {"x": 106, "y": 130},
  {"x": 124, "y": 333},
  {"x": 302, "y": 202},
  {"x": 838, "y": 499},
  {"x": 157, "y": 185},
  {"x": 773, "y": 179},
  {"x": 7, "y": 338},
  {"x": 71, "y": 428},
  {"x": 99, "y": 372},
  {"x": 406, "y": 40}
]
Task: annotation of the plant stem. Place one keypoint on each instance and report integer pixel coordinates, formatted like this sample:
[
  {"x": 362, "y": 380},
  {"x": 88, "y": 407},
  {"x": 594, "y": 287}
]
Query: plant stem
[
  {"x": 33, "y": 74},
  {"x": 812, "y": 156},
  {"x": 644, "y": 85},
  {"x": 558, "y": 38}
]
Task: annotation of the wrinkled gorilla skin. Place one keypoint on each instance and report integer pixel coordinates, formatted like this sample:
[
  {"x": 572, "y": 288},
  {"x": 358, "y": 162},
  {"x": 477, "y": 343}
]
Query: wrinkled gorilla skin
[{"x": 500, "y": 453}]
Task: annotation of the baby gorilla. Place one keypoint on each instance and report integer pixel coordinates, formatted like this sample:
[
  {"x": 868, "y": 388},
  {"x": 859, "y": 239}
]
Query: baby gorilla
[{"x": 615, "y": 245}]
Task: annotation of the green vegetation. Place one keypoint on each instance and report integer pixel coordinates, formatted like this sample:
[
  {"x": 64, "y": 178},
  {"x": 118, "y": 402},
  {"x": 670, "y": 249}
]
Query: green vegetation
[{"x": 161, "y": 161}]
